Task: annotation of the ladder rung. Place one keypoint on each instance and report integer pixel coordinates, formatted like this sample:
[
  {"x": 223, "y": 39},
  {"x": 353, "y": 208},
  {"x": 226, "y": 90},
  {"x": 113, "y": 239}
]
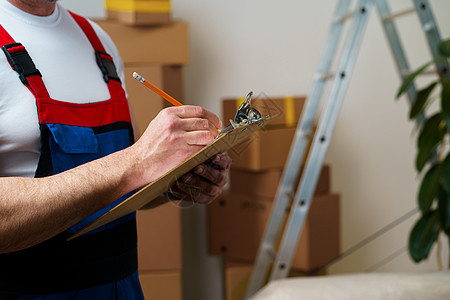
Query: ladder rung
[
  {"x": 270, "y": 251},
  {"x": 304, "y": 134},
  {"x": 344, "y": 17},
  {"x": 290, "y": 194},
  {"x": 428, "y": 26},
  {"x": 390, "y": 17},
  {"x": 324, "y": 76},
  {"x": 406, "y": 73}
]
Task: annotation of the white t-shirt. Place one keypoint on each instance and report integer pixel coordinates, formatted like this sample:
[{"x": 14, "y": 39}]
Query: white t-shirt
[{"x": 64, "y": 56}]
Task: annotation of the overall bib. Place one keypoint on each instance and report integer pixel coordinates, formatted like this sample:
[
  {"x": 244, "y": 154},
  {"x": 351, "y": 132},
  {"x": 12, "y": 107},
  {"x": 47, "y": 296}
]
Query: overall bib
[{"x": 101, "y": 264}]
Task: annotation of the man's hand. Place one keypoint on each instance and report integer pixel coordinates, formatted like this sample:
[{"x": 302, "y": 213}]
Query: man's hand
[
  {"x": 205, "y": 182},
  {"x": 173, "y": 136}
]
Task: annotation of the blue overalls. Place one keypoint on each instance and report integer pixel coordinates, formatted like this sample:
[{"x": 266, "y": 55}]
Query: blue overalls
[{"x": 101, "y": 264}]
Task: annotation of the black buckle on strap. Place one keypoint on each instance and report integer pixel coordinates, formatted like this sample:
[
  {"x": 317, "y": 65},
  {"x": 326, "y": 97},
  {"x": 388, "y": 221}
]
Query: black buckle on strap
[
  {"x": 106, "y": 65},
  {"x": 20, "y": 61}
]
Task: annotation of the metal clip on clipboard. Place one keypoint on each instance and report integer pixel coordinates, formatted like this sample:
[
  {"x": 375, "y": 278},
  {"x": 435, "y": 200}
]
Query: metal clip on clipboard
[{"x": 245, "y": 115}]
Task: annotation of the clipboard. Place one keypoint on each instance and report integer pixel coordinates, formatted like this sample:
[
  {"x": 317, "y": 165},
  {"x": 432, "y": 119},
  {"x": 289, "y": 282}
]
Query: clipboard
[{"x": 156, "y": 188}]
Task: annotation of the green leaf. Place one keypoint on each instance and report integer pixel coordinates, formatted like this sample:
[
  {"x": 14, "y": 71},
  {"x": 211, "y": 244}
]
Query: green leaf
[
  {"x": 423, "y": 236},
  {"x": 428, "y": 140},
  {"x": 445, "y": 102},
  {"x": 429, "y": 127},
  {"x": 410, "y": 79},
  {"x": 444, "y": 209},
  {"x": 444, "y": 48},
  {"x": 421, "y": 99},
  {"x": 446, "y": 173},
  {"x": 429, "y": 187}
]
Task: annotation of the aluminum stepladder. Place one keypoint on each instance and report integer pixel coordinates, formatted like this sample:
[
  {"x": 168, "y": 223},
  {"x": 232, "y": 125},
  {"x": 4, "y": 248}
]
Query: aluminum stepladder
[{"x": 299, "y": 200}]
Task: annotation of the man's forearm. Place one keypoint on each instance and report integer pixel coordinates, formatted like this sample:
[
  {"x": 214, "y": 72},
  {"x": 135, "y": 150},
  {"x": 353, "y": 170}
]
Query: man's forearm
[{"x": 33, "y": 210}]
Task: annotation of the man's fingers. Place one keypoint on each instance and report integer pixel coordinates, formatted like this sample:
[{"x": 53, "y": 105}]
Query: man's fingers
[
  {"x": 188, "y": 111},
  {"x": 194, "y": 124},
  {"x": 222, "y": 160},
  {"x": 201, "y": 138},
  {"x": 175, "y": 191},
  {"x": 196, "y": 188},
  {"x": 216, "y": 176}
]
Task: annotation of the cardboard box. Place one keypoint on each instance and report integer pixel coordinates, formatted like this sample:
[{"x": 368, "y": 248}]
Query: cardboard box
[
  {"x": 161, "y": 285},
  {"x": 139, "y": 12},
  {"x": 167, "y": 44},
  {"x": 265, "y": 183},
  {"x": 146, "y": 104},
  {"x": 237, "y": 224},
  {"x": 264, "y": 149},
  {"x": 237, "y": 278},
  {"x": 159, "y": 238},
  {"x": 138, "y": 18},
  {"x": 288, "y": 109}
]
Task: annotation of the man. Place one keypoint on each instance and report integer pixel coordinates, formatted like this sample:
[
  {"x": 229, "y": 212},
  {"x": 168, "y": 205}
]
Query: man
[{"x": 67, "y": 155}]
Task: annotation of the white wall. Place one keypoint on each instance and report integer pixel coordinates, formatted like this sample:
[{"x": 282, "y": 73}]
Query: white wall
[{"x": 274, "y": 47}]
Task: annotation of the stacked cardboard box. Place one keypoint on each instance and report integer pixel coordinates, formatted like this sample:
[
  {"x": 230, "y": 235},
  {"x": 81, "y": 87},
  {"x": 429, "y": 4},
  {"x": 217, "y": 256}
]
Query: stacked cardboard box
[
  {"x": 158, "y": 53},
  {"x": 238, "y": 218},
  {"x": 139, "y": 12},
  {"x": 163, "y": 285},
  {"x": 237, "y": 223}
]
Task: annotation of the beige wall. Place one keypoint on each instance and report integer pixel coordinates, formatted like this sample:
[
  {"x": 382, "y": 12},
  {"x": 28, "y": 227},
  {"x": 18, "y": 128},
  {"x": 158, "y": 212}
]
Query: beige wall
[{"x": 274, "y": 47}]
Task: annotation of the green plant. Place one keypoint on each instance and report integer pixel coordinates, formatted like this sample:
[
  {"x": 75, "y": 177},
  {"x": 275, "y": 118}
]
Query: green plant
[{"x": 432, "y": 160}]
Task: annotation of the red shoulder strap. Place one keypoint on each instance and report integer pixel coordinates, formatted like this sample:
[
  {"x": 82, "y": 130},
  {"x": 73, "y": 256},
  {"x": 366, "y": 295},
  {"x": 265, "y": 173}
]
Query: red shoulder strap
[
  {"x": 115, "y": 87},
  {"x": 15, "y": 52},
  {"x": 88, "y": 31},
  {"x": 5, "y": 38}
]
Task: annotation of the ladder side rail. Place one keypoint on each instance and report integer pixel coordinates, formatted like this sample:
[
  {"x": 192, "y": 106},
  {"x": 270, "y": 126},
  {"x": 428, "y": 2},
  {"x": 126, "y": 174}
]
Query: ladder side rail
[
  {"x": 431, "y": 30},
  {"x": 286, "y": 188},
  {"x": 327, "y": 123},
  {"x": 432, "y": 34},
  {"x": 398, "y": 52},
  {"x": 395, "y": 45}
]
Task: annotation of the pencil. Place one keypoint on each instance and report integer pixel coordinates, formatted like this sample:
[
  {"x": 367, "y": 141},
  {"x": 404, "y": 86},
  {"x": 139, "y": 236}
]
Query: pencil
[{"x": 156, "y": 89}]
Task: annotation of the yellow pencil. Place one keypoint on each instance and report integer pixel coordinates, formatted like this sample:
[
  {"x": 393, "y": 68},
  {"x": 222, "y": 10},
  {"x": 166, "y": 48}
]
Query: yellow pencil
[{"x": 158, "y": 90}]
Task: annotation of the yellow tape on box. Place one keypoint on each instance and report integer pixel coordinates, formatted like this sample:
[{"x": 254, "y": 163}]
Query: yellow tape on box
[
  {"x": 290, "y": 118},
  {"x": 143, "y": 6},
  {"x": 289, "y": 111}
]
